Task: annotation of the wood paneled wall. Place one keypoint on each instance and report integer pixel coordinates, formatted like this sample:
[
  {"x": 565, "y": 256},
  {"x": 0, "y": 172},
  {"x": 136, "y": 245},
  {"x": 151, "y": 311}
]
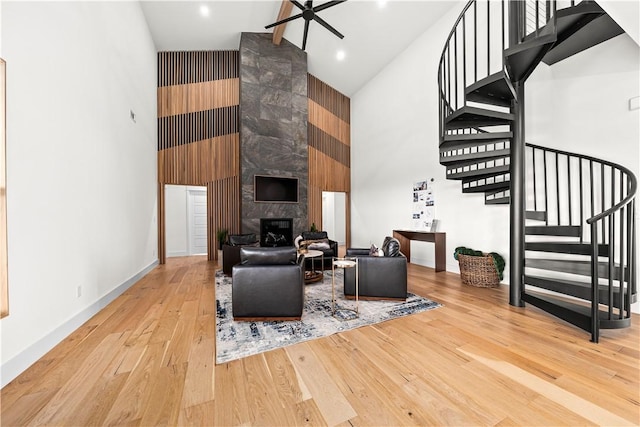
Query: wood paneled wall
[
  {"x": 329, "y": 136},
  {"x": 198, "y": 135}
]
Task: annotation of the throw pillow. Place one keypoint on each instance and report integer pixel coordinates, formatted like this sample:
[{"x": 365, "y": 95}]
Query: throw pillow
[
  {"x": 374, "y": 251},
  {"x": 393, "y": 247},
  {"x": 320, "y": 246}
]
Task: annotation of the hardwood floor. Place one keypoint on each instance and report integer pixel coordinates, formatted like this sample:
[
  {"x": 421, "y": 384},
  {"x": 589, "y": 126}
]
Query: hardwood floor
[{"x": 148, "y": 359}]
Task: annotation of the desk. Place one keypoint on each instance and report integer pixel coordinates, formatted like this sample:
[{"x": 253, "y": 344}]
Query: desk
[{"x": 440, "y": 239}]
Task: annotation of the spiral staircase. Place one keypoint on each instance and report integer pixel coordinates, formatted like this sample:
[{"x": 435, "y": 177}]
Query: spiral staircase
[{"x": 572, "y": 231}]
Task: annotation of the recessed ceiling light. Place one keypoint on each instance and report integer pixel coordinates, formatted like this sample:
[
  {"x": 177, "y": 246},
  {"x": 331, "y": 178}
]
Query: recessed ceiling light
[
  {"x": 340, "y": 55},
  {"x": 204, "y": 10},
  {"x": 382, "y": 3}
]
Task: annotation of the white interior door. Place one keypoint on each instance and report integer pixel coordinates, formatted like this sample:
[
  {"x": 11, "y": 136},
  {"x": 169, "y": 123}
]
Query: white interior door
[
  {"x": 197, "y": 221},
  {"x": 334, "y": 215}
]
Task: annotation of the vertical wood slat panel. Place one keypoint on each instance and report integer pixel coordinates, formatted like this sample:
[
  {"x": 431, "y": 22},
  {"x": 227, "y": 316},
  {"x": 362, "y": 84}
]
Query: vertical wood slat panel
[
  {"x": 162, "y": 246},
  {"x": 329, "y": 141},
  {"x": 212, "y": 244},
  {"x": 195, "y": 91}
]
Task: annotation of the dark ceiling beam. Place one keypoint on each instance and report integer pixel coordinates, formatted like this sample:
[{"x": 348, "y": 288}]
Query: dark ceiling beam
[{"x": 285, "y": 12}]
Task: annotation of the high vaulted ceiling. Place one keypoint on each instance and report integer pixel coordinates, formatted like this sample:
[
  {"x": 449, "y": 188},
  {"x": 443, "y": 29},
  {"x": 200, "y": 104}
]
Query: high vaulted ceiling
[{"x": 375, "y": 31}]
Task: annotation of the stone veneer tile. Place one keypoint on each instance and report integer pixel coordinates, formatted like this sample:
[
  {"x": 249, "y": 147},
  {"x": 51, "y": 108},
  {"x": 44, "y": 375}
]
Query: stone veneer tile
[{"x": 273, "y": 135}]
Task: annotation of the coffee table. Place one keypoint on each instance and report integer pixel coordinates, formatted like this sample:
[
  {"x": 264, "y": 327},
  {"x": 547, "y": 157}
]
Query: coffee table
[{"x": 313, "y": 276}]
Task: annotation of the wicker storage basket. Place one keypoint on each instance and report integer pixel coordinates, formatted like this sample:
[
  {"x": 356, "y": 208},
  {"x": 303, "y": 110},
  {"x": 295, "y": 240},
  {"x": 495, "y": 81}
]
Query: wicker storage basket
[{"x": 478, "y": 271}]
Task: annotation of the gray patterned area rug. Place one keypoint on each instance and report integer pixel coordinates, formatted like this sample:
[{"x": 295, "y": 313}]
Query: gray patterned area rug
[{"x": 235, "y": 340}]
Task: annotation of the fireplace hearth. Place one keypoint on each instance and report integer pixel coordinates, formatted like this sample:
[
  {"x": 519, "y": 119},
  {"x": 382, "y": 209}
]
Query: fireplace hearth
[{"x": 276, "y": 232}]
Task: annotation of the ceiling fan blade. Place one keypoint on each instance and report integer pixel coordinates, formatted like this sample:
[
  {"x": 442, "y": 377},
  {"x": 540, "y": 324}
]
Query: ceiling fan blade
[
  {"x": 327, "y": 5},
  {"x": 306, "y": 31},
  {"x": 327, "y": 26},
  {"x": 297, "y": 4},
  {"x": 291, "y": 18}
]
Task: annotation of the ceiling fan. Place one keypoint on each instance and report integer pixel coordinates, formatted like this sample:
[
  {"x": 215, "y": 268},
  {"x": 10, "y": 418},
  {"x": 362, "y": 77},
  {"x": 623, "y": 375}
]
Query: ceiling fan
[{"x": 309, "y": 13}]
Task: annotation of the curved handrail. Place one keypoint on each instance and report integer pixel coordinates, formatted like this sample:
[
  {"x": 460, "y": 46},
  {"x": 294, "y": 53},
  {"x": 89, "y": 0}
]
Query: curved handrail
[
  {"x": 631, "y": 177},
  {"x": 453, "y": 30}
]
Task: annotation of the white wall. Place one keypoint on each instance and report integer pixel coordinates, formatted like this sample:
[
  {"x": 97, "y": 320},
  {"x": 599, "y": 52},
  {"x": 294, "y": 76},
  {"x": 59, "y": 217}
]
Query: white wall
[
  {"x": 626, "y": 13},
  {"x": 395, "y": 138},
  {"x": 394, "y": 124},
  {"x": 81, "y": 174},
  {"x": 582, "y": 103}
]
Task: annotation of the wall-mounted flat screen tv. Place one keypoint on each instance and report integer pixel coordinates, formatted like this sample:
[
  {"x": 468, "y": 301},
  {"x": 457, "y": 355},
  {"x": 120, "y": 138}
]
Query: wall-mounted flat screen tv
[{"x": 275, "y": 189}]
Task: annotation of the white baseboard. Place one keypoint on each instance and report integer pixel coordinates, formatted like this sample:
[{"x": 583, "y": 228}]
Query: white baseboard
[
  {"x": 18, "y": 364},
  {"x": 177, "y": 253}
]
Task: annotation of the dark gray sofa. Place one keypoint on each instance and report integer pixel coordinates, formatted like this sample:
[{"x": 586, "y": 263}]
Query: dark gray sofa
[
  {"x": 268, "y": 284},
  {"x": 231, "y": 249},
  {"x": 329, "y": 253},
  {"x": 381, "y": 277}
]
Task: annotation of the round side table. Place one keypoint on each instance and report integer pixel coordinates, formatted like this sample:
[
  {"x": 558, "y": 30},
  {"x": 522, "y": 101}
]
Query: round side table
[{"x": 313, "y": 276}]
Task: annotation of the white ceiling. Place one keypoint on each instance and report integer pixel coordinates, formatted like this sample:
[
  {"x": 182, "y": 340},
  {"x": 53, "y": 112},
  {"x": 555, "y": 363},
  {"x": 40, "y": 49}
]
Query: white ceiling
[{"x": 373, "y": 35}]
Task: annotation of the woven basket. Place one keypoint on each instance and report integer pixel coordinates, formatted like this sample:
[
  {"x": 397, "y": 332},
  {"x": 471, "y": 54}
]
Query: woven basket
[{"x": 478, "y": 271}]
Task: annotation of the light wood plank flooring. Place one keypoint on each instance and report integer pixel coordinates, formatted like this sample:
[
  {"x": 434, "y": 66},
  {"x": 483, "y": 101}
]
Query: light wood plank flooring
[{"x": 148, "y": 359}]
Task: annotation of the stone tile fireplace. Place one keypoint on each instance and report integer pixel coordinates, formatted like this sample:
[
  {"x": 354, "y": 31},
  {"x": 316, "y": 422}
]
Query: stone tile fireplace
[
  {"x": 276, "y": 231},
  {"x": 273, "y": 128}
]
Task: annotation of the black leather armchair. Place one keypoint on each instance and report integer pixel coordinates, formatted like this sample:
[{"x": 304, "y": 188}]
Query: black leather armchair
[
  {"x": 380, "y": 277},
  {"x": 329, "y": 252},
  {"x": 268, "y": 284},
  {"x": 231, "y": 249}
]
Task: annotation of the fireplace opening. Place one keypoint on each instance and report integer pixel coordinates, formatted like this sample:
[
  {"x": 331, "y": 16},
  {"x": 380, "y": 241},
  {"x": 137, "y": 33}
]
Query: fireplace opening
[{"x": 276, "y": 232}]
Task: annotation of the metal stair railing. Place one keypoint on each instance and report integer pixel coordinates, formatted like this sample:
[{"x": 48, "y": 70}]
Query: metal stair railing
[
  {"x": 579, "y": 190},
  {"x": 474, "y": 48}
]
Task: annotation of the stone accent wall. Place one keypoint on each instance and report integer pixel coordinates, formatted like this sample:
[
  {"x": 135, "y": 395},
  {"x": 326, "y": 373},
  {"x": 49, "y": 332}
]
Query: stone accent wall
[{"x": 273, "y": 126}]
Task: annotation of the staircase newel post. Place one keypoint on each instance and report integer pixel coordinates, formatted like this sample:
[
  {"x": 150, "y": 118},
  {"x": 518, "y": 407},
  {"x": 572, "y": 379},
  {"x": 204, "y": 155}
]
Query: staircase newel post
[
  {"x": 517, "y": 206},
  {"x": 517, "y": 170}
]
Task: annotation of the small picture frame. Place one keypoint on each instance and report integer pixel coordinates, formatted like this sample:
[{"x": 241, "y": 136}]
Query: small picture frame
[{"x": 434, "y": 226}]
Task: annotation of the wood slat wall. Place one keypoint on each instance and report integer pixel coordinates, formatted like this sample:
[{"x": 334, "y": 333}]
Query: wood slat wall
[
  {"x": 198, "y": 135},
  {"x": 329, "y": 137}
]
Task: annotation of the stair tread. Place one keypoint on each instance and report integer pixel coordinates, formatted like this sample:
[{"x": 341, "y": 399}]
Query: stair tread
[
  {"x": 494, "y": 89},
  {"x": 521, "y": 59},
  {"x": 479, "y": 173},
  {"x": 468, "y": 116},
  {"x": 553, "y": 230},
  {"x": 498, "y": 201},
  {"x": 575, "y": 248},
  {"x": 460, "y": 159},
  {"x": 486, "y": 187},
  {"x": 596, "y": 31},
  {"x": 575, "y": 283},
  {"x": 536, "y": 215},
  {"x": 478, "y": 136},
  {"x": 584, "y": 309},
  {"x": 573, "y": 288},
  {"x": 451, "y": 142},
  {"x": 572, "y": 266},
  {"x": 500, "y": 197}
]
